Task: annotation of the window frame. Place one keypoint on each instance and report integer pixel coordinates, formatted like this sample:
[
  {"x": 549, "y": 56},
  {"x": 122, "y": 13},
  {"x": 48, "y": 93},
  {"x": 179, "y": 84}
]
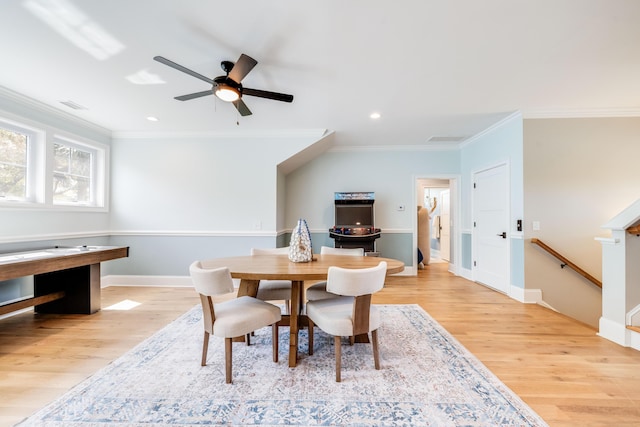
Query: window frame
[
  {"x": 96, "y": 196},
  {"x": 40, "y": 169},
  {"x": 35, "y": 165}
]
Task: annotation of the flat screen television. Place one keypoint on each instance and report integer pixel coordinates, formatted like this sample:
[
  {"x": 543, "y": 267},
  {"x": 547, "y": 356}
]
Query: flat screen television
[{"x": 354, "y": 215}]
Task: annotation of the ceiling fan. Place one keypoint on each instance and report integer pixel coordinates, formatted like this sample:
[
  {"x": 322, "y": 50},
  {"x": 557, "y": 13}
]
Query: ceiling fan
[{"x": 228, "y": 88}]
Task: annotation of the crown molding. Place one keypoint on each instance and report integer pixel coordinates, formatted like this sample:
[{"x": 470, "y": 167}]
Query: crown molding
[
  {"x": 231, "y": 134},
  {"x": 516, "y": 115},
  {"x": 33, "y": 104},
  {"x": 580, "y": 113},
  {"x": 396, "y": 148}
]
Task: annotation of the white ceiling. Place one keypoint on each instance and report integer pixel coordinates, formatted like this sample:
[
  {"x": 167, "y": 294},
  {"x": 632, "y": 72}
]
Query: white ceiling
[{"x": 431, "y": 68}]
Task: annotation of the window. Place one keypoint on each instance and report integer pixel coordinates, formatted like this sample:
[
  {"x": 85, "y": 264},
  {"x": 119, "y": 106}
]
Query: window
[
  {"x": 40, "y": 169},
  {"x": 13, "y": 165},
  {"x": 71, "y": 174}
]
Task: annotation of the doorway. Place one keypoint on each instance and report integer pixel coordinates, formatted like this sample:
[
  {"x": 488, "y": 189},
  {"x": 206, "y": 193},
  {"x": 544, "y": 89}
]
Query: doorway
[{"x": 435, "y": 221}]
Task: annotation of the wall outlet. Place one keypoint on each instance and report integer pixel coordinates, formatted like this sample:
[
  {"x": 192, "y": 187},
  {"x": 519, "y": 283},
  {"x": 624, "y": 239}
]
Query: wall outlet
[
  {"x": 536, "y": 225},
  {"x": 257, "y": 225}
]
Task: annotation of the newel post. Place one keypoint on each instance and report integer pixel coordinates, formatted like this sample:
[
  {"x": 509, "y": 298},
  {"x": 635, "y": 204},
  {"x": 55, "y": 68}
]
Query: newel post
[{"x": 620, "y": 277}]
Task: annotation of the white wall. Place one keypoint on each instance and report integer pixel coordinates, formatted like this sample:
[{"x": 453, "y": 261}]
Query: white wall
[
  {"x": 579, "y": 173},
  {"x": 23, "y": 225},
  {"x": 202, "y": 184}
]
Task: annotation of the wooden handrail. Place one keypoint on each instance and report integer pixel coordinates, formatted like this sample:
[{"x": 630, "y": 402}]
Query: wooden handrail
[
  {"x": 566, "y": 262},
  {"x": 634, "y": 230}
]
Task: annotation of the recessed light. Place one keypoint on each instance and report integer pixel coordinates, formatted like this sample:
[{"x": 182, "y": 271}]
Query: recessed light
[
  {"x": 375, "y": 115},
  {"x": 152, "y": 119}
]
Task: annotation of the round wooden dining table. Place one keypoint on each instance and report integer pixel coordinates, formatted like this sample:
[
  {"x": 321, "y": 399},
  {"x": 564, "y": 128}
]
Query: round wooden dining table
[{"x": 251, "y": 269}]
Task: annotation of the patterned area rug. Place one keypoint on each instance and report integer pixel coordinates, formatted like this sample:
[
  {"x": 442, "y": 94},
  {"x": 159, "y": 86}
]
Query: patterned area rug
[{"x": 427, "y": 379}]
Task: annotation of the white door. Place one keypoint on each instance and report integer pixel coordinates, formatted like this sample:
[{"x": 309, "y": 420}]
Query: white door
[
  {"x": 445, "y": 225},
  {"x": 491, "y": 227}
]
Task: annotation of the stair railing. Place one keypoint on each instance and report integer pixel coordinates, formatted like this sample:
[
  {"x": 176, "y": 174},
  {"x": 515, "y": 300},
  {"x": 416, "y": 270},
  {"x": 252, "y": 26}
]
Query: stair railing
[{"x": 566, "y": 262}]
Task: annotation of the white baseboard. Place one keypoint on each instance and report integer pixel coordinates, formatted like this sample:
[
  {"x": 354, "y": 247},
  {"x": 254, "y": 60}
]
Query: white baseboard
[
  {"x": 466, "y": 273},
  {"x": 161, "y": 281},
  {"x": 527, "y": 296},
  {"x": 613, "y": 331},
  {"x": 182, "y": 281},
  {"x": 633, "y": 338},
  {"x": 409, "y": 270}
]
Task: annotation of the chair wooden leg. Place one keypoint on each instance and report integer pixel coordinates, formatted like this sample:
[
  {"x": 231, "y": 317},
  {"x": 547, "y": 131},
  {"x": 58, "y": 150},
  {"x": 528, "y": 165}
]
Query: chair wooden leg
[
  {"x": 287, "y": 306},
  {"x": 205, "y": 348},
  {"x": 376, "y": 355},
  {"x": 248, "y": 339},
  {"x": 338, "y": 357},
  {"x": 310, "y": 337},
  {"x": 274, "y": 339},
  {"x": 227, "y": 358}
]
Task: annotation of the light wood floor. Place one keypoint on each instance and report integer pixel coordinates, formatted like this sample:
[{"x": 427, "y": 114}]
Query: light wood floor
[{"x": 558, "y": 366}]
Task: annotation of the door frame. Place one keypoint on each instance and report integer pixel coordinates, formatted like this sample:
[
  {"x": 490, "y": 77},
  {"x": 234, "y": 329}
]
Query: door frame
[
  {"x": 474, "y": 237},
  {"x": 456, "y": 235}
]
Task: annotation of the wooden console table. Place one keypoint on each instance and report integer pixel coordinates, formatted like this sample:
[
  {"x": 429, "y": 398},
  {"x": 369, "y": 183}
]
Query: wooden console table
[{"x": 65, "y": 279}]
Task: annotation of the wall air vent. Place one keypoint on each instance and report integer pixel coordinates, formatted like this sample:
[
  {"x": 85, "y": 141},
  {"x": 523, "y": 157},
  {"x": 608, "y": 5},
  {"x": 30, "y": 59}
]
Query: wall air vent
[{"x": 73, "y": 105}]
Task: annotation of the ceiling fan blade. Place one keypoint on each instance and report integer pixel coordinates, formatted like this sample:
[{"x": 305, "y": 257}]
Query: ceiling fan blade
[
  {"x": 269, "y": 95},
  {"x": 242, "y": 107},
  {"x": 243, "y": 65},
  {"x": 194, "y": 95},
  {"x": 179, "y": 67}
]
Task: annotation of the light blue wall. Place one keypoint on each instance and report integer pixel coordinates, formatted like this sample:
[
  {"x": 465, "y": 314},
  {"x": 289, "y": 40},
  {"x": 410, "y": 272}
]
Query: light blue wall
[
  {"x": 389, "y": 173},
  {"x": 503, "y": 144},
  {"x": 174, "y": 200}
]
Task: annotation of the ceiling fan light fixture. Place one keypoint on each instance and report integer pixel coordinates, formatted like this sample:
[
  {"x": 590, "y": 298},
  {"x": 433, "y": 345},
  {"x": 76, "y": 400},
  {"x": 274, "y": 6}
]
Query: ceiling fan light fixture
[
  {"x": 227, "y": 93},
  {"x": 226, "y": 89}
]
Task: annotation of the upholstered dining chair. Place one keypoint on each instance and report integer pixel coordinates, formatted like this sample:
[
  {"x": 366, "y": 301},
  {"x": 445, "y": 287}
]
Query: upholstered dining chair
[
  {"x": 236, "y": 317},
  {"x": 274, "y": 290},
  {"x": 319, "y": 290},
  {"x": 351, "y": 313}
]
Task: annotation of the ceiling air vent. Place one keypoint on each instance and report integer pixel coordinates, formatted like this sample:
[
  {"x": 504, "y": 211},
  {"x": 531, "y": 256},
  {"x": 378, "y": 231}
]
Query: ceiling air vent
[
  {"x": 439, "y": 139},
  {"x": 73, "y": 105}
]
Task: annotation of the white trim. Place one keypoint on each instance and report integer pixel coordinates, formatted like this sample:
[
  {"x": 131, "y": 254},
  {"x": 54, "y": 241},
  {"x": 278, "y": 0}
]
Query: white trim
[
  {"x": 630, "y": 317},
  {"x": 35, "y": 238},
  {"x": 378, "y": 148},
  {"x": 47, "y": 109},
  {"x": 613, "y": 331},
  {"x": 607, "y": 240},
  {"x": 456, "y": 202},
  {"x": 466, "y": 274},
  {"x": 155, "y": 281},
  {"x": 633, "y": 339},
  {"x": 200, "y": 233},
  {"x": 168, "y": 233},
  {"x": 234, "y": 134},
  {"x": 409, "y": 270},
  {"x": 177, "y": 281},
  {"x": 496, "y": 125},
  {"x": 527, "y": 296},
  {"x": 580, "y": 113},
  {"x": 624, "y": 219}
]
